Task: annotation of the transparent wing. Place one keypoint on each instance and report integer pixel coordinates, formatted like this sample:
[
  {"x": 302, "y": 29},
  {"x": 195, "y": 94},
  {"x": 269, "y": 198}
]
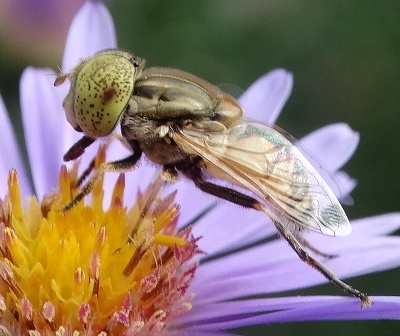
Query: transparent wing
[{"x": 263, "y": 161}]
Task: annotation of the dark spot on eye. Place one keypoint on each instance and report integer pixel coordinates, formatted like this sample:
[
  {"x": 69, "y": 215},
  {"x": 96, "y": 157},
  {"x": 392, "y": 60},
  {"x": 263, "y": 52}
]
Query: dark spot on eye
[
  {"x": 91, "y": 105},
  {"x": 108, "y": 95}
]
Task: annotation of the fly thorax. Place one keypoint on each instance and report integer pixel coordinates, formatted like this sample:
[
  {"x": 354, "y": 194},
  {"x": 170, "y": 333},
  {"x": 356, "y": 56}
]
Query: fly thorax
[{"x": 135, "y": 126}]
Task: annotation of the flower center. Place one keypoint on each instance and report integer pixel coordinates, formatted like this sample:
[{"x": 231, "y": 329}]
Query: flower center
[{"x": 110, "y": 272}]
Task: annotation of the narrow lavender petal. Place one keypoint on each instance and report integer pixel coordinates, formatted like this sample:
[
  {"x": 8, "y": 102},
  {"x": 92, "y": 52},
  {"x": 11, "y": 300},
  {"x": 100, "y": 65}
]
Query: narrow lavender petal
[
  {"x": 263, "y": 270},
  {"x": 192, "y": 200},
  {"x": 328, "y": 149},
  {"x": 232, "y": 227},
  {"x": 10, "y": 155},
  {"x": 91, "y": 30},
  {"x": 264, "y": 99},
  {"x": 227, "y": 315},
  {"x": 242, "y": 276},
  {"x": 330, "y": 146},
  {"x": 345, "y": 185},
  {"x": 47, "y": 133},
  {"x": 274, "y": 267},
  {"x": 363, "y": 228},
  {"x": 376, "y": 225},
  {"x": 206, "y": 316},
  {"x": 43, "y": 127},
  {"x": 385, "y": 307},
  {"x": 268, "y": 255},
  {"x": 270, "y": 278},
  {"x": 379, "y": 255}
]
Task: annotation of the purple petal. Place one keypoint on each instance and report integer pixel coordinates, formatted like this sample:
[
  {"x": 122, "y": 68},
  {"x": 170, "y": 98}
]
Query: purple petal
[
  {"x": 192, "y": 200},
  {"x": 264, "y": 99},
  {"x": 363, "y": 229},
  {"x": 328, "y": 149},
  {"x": 332, "y": 145},
  {"x": 376, "y": 225},
  {"x": 336, "y": 308},
  {"x": 232, "y": 227},
  {"x": 10, "y": 155},
  {"x": 91, "y": 30},
  {"x": 270, "y": 269},
  {"x": 44, "y": 127},
  {"x": 274, "y": 267},
  {"x": 343, "y": 186},
  {"x": 48, "y": 135},
  {"x": 227, "y": 315}
]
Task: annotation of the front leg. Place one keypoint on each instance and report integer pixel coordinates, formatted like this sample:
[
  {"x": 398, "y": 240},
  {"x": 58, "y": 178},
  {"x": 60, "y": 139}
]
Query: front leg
[
  {"x": 78, "y": 148},
  {"x": 122, "y": 165}
]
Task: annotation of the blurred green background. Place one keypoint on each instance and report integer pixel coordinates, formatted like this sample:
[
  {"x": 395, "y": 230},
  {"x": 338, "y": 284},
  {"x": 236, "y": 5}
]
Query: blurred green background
[{"x": 345, "y": 57}]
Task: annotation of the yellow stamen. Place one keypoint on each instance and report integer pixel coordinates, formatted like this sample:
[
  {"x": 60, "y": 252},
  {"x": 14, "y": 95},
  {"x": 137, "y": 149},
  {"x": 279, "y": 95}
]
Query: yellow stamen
[
  {"x": 65, "y": 187},
  {"x": 15, "y": 195},
  {"x": 162, "y": 239},
  {"x": 90, "y": 270},
  {"x": 118, "y": 191}
]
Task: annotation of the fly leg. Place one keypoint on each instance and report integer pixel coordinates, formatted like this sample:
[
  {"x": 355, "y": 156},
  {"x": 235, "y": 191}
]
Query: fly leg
[
  {"x": 191, "y": 169},
  {"x": 304, "y": 256},
  {"x": 85, "y": 173},
  {"x": 194, "y": 173},
  {"x": 114, "y": 166},
  {"x": 78, "y": 148}
]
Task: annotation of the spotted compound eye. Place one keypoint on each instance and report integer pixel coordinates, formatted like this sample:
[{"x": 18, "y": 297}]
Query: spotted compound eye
[{"x": 103, "y": 88}]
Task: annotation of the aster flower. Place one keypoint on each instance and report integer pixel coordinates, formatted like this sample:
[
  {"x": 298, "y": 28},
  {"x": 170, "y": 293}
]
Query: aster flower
[{"x": 200, "y": 300}]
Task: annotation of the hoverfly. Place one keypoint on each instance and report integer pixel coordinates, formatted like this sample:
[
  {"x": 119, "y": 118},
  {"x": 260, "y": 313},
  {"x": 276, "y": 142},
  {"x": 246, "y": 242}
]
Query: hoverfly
[{"x": 189, "y": 126}]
